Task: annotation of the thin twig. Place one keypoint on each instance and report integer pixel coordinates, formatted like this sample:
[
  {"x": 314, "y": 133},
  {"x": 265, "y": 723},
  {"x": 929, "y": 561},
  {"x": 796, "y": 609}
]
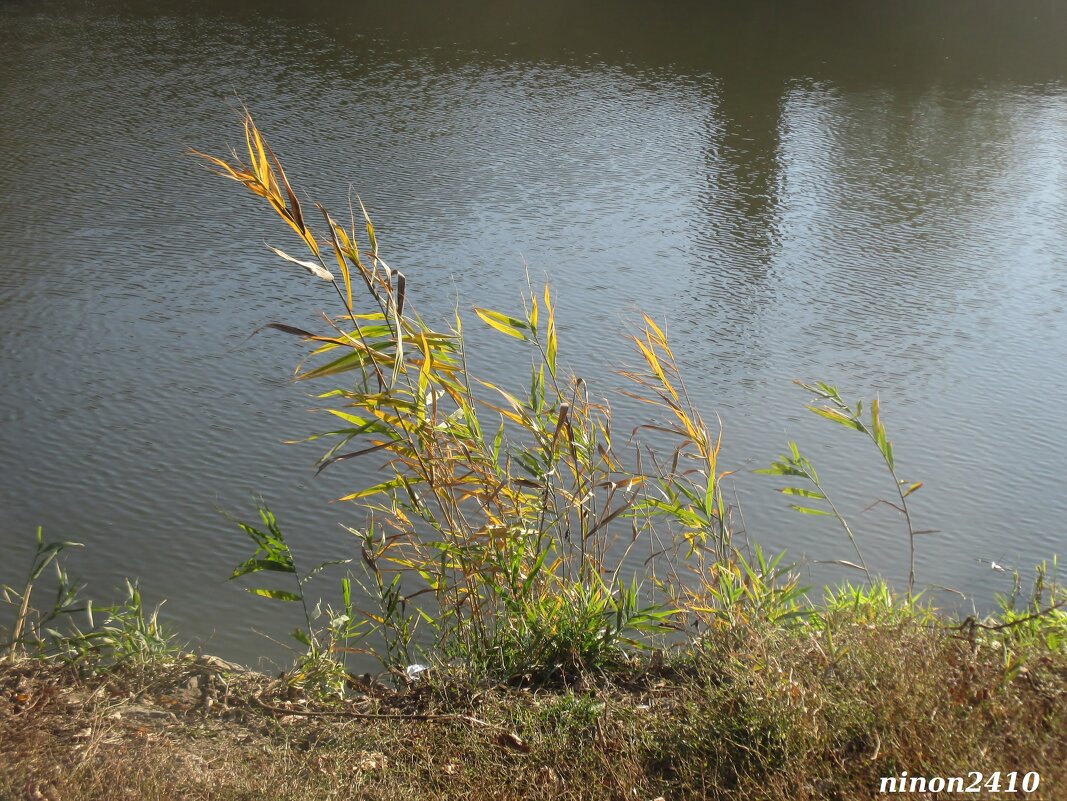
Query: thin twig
[
  {"x": 346, "y": 713},
  {"x": 971, "y": 623}
]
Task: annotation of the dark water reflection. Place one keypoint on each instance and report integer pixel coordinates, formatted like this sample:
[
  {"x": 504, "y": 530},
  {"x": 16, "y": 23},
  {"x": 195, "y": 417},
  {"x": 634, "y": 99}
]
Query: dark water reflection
[{"x": 869, "y": 194}]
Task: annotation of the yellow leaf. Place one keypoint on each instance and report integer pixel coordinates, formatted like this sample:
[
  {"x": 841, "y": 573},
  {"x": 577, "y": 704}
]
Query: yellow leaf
[
  {"x": 370, "y": 230},
  {"x": 551, "y": 344},
  {"x": 502, "y": 322},
  {"x": 385, "y": 486},
  {"x": 339, "y": 256}
]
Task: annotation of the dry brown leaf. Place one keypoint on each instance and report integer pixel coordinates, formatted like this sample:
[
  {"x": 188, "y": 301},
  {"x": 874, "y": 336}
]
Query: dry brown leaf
[{"x": 513, "y": 741}]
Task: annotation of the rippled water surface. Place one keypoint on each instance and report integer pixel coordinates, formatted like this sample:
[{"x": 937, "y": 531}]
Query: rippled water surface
[{"x": 873, "y": 195}]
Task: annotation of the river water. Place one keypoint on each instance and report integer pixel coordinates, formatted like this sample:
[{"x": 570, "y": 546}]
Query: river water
[{"x": 870, "y": 194}]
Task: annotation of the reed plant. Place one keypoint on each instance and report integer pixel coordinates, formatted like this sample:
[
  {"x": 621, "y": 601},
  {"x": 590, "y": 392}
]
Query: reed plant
[
  {"x": 32, "y": 624},
  {"x": 509, "y": 515},
  {"x": 1034, "y": 618},
  {"x": 813, "y": 496},
  {"x": 328, "y": 632},
  {"x": 513, "y": 526},
  {"x": 831, "y": 406},
  {"x": 123, "y": 633}
]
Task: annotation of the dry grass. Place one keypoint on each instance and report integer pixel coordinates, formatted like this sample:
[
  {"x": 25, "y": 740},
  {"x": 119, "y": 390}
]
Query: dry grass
[{"x": 775, "y": 714}]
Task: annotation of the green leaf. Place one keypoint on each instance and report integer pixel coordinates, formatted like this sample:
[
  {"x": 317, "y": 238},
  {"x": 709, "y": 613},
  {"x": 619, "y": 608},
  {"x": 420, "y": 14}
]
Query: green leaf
[
  {"x": 537, "y": 388},
  {"x": 278, "y": 595},
  {"x": 806, "y": 493},
  {"x": 350, "y": 361},
  {"x": 385, "y": 486},
  {"x": 257, "y": 565},
  {"x": 837, "y": 416},
  {"x": 780, "y": 469},
  {"x": 322, "y": 566},
  {"x": 880, "y": 439},
  {"x": 807, "y": 510},
  {"x": 497, "y": 441}
]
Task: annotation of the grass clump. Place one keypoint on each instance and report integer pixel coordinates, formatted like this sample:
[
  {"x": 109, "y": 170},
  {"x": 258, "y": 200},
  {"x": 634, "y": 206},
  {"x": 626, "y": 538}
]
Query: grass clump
[{"x": 121, "y": 635}]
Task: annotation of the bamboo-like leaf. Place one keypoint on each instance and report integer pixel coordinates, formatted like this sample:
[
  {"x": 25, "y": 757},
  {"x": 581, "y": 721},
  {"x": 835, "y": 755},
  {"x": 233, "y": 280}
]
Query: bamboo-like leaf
[
  {"x": 401, "y": 292},
  {"x": 257, "y": 157},
  {"x": 624, "y": 507},
  {"x": 277, "y": 595},
  {"x": 398, "y": 355},
  {"x": 661, "y": 337},
  {"x": 46, "y": 553},
  {"x": 550, "y": 334},
  {"x": 358, "y": 358},
  {"x": 806, "y": 493},
  {"x": 425, "y": 371},
  {"x": 837, "y": 416},
  {"x": 262, "y": 181},
  {"x": 807, "y": 510},
  {"x": 354, "y": 420},
  {"x": 511, "y": 326},
  {"x": 259, "y": 565},
  {"x": 780, "y": 469},
  {"x": 370, "y": 230},
  {"x": 350, "y": 248},
  {"x": 314, "y": 268},
  {"x": 842, "y": 562},
  {"x": 226, "y": 170},
  {"x": 346, "y": 456},
  {"x": 911, "y": 488},
  {"x": 331, "y": 342},
  {"x": 294, "y": 205},
  {"x": 339, "y": 255},
  {"x": 878, "y": 432},
  {"x": 377, "y": 489},
  {"x": 497, "y": 442},
  {"x": 320, "y": 567},
  {"x": 511, "y": 399}
]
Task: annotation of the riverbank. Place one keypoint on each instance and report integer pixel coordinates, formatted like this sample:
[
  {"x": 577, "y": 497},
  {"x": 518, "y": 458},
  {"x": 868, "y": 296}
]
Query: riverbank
[{"x": 768, "y": 712}]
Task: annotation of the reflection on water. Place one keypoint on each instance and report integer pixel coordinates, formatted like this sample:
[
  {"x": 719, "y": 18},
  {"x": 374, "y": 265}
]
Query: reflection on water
[{"x": 873, "y": 195}]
